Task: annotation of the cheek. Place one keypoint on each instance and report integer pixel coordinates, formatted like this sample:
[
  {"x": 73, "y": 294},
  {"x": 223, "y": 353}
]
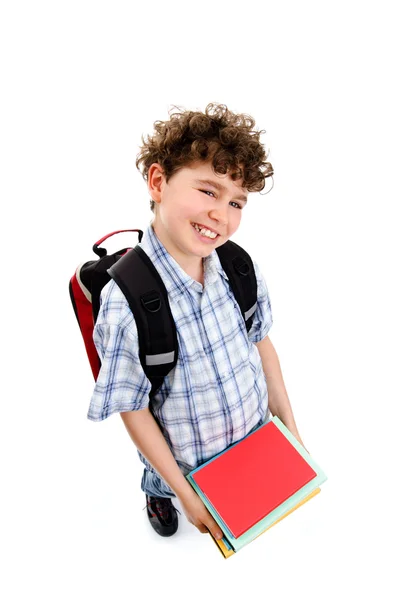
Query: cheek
[
  {"x": 235, "y": 219},
  {"x": 178, "y": 211},
  {"x": 192, "y": 209},
  {"x": 186, "y": 213}
]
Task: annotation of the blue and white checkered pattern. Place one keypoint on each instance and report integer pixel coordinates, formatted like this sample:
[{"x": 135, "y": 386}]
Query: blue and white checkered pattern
[{"x": 217, "y": 392}]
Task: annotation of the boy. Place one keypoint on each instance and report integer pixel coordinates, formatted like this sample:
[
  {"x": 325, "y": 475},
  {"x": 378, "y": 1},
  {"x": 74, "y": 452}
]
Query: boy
[{"x": 199, "y": 169}]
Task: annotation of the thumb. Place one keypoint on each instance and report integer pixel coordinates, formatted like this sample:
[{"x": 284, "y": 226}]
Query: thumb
[{"x": 214, "y": 529}]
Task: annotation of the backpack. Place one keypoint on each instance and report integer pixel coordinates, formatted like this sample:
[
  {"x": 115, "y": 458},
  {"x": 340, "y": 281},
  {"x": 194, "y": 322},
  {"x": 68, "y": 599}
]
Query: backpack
[{"x": 141, "y": 284}]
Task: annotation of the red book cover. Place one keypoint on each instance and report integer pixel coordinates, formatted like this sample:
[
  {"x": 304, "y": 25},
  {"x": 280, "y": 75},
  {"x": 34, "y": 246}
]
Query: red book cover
[{"x": 249, "y": 480}]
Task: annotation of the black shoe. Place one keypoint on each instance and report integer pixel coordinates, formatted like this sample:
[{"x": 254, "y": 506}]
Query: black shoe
[{"x": 162, "y": 515}]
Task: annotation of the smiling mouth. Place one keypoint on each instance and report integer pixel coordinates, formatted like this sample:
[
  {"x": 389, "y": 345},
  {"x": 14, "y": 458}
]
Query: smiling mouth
[{"x": 205, "y": 232}]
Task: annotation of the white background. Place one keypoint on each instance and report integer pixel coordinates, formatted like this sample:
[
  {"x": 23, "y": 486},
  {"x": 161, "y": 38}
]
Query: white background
[{"x": 81, "y": 82}]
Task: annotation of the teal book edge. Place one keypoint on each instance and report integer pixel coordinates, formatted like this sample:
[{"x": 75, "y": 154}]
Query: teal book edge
[{"x": 279, "y": 511}]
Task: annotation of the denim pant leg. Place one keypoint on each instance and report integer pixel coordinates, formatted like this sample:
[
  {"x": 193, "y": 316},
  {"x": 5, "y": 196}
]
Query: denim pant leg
[{"x": 153, "y": 485}]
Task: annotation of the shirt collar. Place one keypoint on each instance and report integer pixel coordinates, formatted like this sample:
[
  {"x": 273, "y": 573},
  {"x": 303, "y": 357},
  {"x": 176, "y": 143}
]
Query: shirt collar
[{"x": 176, "y": 281}]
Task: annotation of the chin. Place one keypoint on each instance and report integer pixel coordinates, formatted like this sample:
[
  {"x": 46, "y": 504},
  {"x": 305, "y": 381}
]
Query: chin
[{"x": 204, "y": 254}]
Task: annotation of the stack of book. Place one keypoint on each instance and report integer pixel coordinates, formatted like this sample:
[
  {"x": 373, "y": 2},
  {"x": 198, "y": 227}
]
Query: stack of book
[{"x": 255, "y": 483}]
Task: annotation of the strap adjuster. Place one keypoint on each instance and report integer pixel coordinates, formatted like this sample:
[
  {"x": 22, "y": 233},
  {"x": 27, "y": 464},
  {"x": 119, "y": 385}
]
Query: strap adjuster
[
  {"x": 241, "y": 267},
  {"x": 151, "y": 302}
]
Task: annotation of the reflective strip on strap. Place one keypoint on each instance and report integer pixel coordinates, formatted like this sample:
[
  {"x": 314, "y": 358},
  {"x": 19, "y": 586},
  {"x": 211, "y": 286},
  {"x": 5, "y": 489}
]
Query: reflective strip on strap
[
  {"x": 251, "y": 310},
  {"x": 159, "y": 359}
]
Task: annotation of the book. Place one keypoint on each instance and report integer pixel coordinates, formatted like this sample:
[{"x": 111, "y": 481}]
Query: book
[{"x": 255, "y": 483}]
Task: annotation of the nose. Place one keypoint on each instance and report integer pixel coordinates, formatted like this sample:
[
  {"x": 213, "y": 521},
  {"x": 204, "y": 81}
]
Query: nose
[{"x": 219, "y": 215}]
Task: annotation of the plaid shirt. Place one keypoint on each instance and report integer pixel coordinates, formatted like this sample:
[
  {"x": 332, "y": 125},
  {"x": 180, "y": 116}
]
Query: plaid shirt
[{"x": 217, "y": 392}]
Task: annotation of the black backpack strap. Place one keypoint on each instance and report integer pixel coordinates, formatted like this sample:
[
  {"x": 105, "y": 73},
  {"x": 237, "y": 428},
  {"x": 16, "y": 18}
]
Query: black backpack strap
[
  {"x": 147, "y": 297},
  {"x": 239, "y": 268}
]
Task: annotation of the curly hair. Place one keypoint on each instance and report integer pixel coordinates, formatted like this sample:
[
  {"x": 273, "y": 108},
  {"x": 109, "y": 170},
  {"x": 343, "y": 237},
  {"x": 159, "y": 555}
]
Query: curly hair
[{"x": 218, "y": 135}]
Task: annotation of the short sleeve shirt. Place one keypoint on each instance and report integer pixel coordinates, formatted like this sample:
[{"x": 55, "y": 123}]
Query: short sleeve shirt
[{"x": 217, "y": 392}]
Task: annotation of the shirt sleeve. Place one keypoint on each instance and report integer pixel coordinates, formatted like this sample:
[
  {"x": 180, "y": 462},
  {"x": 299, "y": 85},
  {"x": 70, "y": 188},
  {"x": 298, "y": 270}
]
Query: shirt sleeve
[
  {"x": 262, "y": 320},
  {"x": 121, "y": 384}
]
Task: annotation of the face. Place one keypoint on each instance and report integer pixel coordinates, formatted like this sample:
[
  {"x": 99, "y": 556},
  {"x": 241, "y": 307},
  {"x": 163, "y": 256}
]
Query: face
[{"x": 195, "y": 195}]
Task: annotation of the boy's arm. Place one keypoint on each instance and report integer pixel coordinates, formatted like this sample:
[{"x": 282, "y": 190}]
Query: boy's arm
[
  {"x": 278, "y": 400},
  {"x": 148, "y": 438}
]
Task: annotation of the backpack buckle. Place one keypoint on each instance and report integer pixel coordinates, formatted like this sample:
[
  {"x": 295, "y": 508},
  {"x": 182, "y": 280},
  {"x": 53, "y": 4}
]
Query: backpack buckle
[
  {"x": 241, "y": 266},
  {"x": 151, "y": 302}
]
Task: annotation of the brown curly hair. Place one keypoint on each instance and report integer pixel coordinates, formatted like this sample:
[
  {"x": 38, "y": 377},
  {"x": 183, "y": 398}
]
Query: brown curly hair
[{"x": 218, "y": 135}]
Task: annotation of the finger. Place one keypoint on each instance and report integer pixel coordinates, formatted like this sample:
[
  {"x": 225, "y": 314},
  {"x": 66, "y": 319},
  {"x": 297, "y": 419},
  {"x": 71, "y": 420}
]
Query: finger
[
  {"x": 216, "y": 533},
  {"x": 214, "y": 529}
]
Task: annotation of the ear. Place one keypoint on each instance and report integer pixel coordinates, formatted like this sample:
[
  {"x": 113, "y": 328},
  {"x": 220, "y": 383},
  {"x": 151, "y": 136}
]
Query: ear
[{"x": 156, "y": 179}]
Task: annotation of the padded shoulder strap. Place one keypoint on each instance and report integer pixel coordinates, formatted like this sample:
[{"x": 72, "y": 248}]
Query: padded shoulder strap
[
  {"x": 239, "y": 268},
  {"x": 148, "y": 300},
  {"x": 147, "y": 297}
]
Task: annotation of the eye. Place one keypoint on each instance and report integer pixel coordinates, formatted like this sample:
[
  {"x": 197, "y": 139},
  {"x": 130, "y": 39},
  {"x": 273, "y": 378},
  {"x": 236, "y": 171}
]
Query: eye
[
  {"x": 208, "y": 192},
  {"x": 238, "y": 205},
  {"x": 213, "y": 194}
]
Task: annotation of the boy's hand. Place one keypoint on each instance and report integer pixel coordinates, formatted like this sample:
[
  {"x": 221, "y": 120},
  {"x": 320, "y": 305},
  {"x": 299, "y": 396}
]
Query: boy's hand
[{"x": 197, "y": 514}]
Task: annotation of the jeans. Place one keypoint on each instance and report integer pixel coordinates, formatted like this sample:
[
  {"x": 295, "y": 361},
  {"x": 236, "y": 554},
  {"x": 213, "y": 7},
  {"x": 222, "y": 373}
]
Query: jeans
[{"x": 153, "y": 485}]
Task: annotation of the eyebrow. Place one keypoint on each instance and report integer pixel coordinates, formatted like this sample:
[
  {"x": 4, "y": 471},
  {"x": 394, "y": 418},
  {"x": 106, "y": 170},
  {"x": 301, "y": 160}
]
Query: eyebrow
[{"x": 218, "y": 186}]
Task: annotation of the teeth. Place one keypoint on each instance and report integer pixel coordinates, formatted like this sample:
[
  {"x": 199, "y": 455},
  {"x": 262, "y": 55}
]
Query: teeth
[{"x": 206, "y": 232}]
